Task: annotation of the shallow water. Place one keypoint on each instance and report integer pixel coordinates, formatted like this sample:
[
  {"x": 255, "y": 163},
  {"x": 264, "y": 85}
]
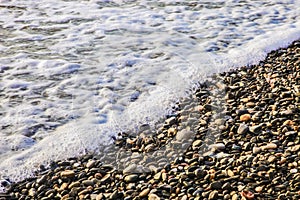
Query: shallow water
[{"x": 75, "y": 74}]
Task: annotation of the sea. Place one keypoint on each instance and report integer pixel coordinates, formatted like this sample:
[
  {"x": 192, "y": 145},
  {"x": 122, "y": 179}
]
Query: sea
[{"x": 74, "y": 74}]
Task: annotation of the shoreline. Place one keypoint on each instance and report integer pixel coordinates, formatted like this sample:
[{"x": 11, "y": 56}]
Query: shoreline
[{"x": 251, "y": 115}]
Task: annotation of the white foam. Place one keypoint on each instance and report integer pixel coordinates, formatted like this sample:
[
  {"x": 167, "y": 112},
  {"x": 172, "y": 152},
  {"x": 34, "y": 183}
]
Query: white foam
[{"x": 74, "y": 74}]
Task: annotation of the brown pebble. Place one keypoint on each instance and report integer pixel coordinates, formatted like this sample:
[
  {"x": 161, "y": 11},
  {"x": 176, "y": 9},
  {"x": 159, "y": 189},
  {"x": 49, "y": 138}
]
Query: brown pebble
[
  {"x": 245, "y": 117},
  {"x": 269, "y": 146},
  {"x": 153, "y": 197},
  {"x": 247, "y": 194},
  {"x": 67, "y": 174},
  {"x": 145, "y": 192}
]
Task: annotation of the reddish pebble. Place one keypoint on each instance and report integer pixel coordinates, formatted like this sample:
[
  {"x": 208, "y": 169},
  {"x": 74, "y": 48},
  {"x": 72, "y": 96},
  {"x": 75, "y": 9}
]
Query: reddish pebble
[{"x": 245, "y": 117}]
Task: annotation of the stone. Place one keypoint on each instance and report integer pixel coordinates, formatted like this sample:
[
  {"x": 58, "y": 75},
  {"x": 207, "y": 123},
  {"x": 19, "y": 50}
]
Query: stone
[
  {"x": 88, "y": 183},
  {"x": 131, "y": 178},
  {"x": 170, "y": 121},
  {"x": 245, "y": 117},
  {"x": 197, "y": 143},
  {"x": 67, "y": 174},
  {"x": 74, "y": 184},
  {"x": 213, "y": 195},
  {"x": 144, "y": 193},
  {"x": 218, "y": 146},
  {"x": 243, "y": 128},
  {"x": 42, "y": 179},
  {"x": 256, "y": 150},
  {"x": 255, "y": 129},
  {"x": 32, "y": 192},
  {"x": 130, "y": 168},
  {"x": 157, "y": 176},
  {"x": 230, "y": 173},
  {"x": 153, "y": 197},
  {"x": 216, "y": 185},
  {"x": 226, "y": 186},
  {"x": 90, "y": 163},
  {"x": 235, "y": 197},
  {"x": 269, "y": 146},
  {"x": 259, "y": 189},
  {"x": 184, "y": 135}
]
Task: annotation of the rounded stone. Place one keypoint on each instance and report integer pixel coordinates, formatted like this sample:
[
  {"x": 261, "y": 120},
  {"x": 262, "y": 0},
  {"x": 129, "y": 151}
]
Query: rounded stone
[
  {"x": 243, "y": 128},
  {"x": 67, "y": 174},
  {"x": 213, "y": 195},
  {"x": 145, "y": 192},
  {"x": 153, "y": 197},
  {"x": 256, "y": 150},
  {"x": 245, "y": 117},
  {"x": 131, "y": 178}
]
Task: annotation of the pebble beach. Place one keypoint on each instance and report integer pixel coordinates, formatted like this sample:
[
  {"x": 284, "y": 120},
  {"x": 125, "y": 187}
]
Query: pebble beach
[{"x": 245, "y": 144}]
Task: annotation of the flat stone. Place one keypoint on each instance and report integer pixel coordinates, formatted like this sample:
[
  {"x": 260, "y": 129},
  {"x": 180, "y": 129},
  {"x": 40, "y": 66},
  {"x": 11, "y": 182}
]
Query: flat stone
[
  {"x": 255, "y": 129},
  {"x": 157, "y": 176},
  {"x": 131, "y": 178},
  {"x": 32, "y": 192},
  {"x": 67, "y": 174},
  {"x": 171, "y": 121},
  {"x": 218, "y": 146},
  {"x": 130, "y": 168},
  {"x": 230, "y": 173},
  {"x": 74, "y": 184},
  {"x": 197, "y": 143},
  {"x": 256, "y": 150},
  {"x": 90, "y": 163},
  {"x": 88, "y": 183},
  {"x": 295, "y": 148},
  {"x": 269, "y": 146},
  {"x": 153, "y": 197},
  {"x": 243, "y": 128},
  {"x": 42, "y": 179},
  {"x": 216, "y": 185},
  {"x": 213, "y": 195},
  {"x": 226, "y": 186},
  {"x": 184, "y": 135},
  {"x": 145, "y": 192},
  {"x": 245, "y": 117}
]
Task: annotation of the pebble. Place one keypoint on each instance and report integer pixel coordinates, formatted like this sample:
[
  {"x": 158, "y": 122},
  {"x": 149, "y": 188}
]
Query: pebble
[
  {"x": 218, "y": 146},
  {"x": 230, "y": 173},
  {"x": 184, "y": 135},
  {"x": 256, "y": 150},
  {"x": 245, "y": 117},
  {"x": 42, "y": 179},
  {"x": 259, "y": 189},
  {"x": 269, "y": 146},
  {"x": 145, "y": 192},
  {"x": 226, "y": 186},
  {"x": 31, "y": 192},
  {"x": 131, "y": 178},
  {"x": 153, "y": 197},
  {"x": 90, "y": 163},
  {"x": 67, "y": 174},
  {"x": 216, "y": 185},
  {"x": 213, "y": 195},
  {"x": 74, "y": 184},
  {"x": 293, "y": 171},
  {"x": 88, "y": 183},
  {"x": 255, "y": 129},
  {"x": 243, "y": 128}
]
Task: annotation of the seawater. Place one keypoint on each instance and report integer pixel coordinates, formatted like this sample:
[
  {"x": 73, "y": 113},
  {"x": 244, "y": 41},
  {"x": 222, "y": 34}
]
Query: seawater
[{"x": 74, "y": 74}]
